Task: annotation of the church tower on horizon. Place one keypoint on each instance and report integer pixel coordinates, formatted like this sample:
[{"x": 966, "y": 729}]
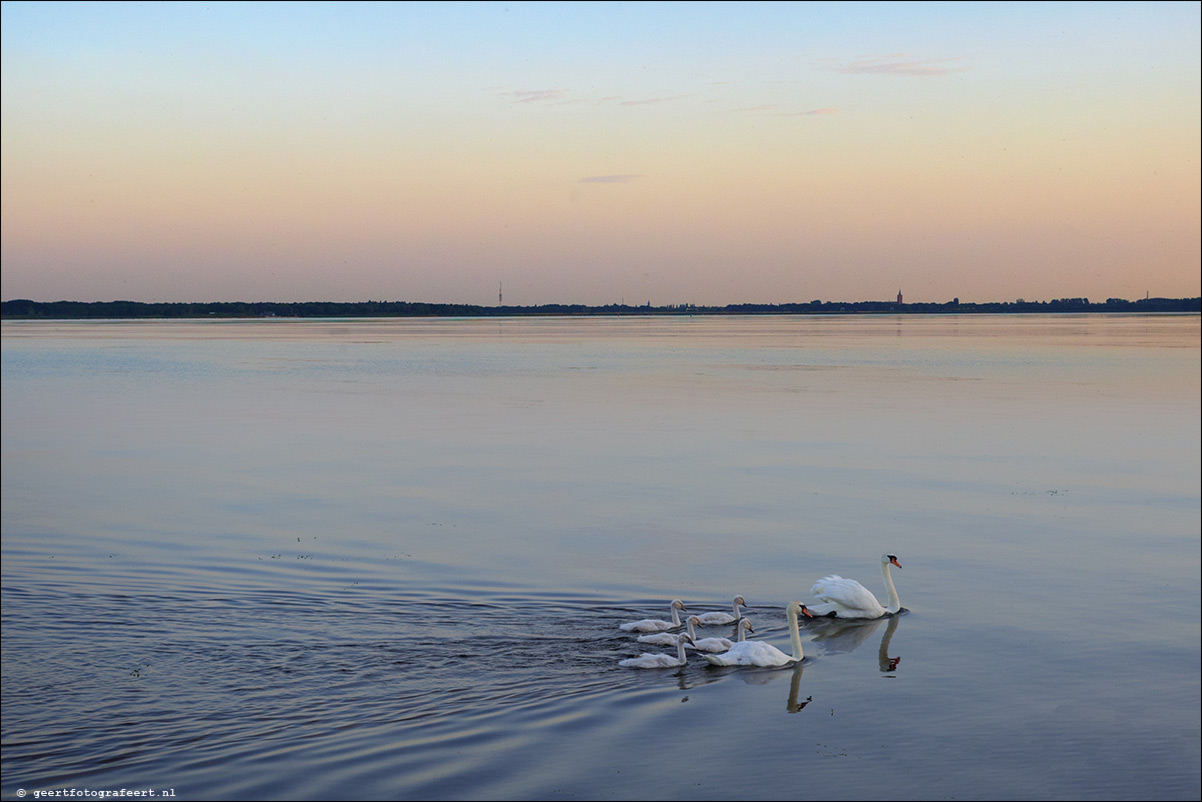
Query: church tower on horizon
[{"x": 899, "y": 300}]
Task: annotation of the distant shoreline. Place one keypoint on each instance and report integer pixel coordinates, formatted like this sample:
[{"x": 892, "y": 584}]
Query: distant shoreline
[{"x": 134, "y": 310}]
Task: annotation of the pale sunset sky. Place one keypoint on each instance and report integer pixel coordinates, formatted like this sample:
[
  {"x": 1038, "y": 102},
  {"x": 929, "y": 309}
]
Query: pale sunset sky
[{"x": 596, "y": 153}]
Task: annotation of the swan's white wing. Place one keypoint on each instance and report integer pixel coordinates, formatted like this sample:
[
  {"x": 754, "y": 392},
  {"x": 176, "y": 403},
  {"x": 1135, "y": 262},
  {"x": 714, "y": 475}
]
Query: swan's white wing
[
  {"x": 750, "y": 653},
  {"x": 715, "y": 619},
  {"x": 646, "y": 625},
  {"x": 846, "y": 595},
  {"x": 819, "y": 587},
  {"x": 660, "y": 639},
  {"x": 711, "y": 645},
  {"x": 650, "y": 660}
]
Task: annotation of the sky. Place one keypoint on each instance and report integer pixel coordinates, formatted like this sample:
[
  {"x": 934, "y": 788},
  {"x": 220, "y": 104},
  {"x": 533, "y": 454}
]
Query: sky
[{"x": 599, "y": 153}]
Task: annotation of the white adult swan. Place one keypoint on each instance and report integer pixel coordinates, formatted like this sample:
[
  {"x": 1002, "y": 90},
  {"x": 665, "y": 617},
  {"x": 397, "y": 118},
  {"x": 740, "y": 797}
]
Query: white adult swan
[
  {"x": 758, "y": 653},
  {"x": 653, "y": 660},
  {"x": 718, "y": 619},
  {"x": 655, "y": 625},
  {"x": 846, "y": 598}
]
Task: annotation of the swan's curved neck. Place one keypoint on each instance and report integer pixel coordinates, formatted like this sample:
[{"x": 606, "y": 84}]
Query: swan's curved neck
[
  {"x": 743, "y": 630},
  {"x": 680, "y": 655},
  {"x": 795, "y": 633},
  {"x": 692, "y": 629},
  {"x": 676, "y": 616},
  {"x": 894, "y": 601}
]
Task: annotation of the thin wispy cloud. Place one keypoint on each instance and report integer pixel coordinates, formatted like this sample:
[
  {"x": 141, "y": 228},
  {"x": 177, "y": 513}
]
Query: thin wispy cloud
[
  {"x": 653, "y": 100},
  {"x": 775, "y": 108},
  {"x": 901, "y": 64},
  {"x": 536, "y": 95},
  {"x": 621, "y": 178},
  {"x": 560, "y": 97}
]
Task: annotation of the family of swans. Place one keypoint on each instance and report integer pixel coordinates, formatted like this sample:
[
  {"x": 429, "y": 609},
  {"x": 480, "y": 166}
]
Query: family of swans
[{"x": 834, "y": 597}]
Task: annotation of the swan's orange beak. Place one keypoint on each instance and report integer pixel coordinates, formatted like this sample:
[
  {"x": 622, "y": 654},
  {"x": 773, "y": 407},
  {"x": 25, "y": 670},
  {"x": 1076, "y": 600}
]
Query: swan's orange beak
[
  {"x": 895, "y": 562},
  {"x": 806, "y": 611}
]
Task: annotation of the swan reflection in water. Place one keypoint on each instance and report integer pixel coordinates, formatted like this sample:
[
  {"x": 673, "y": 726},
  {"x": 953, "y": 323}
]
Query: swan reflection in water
[
  {"x": 763, "y": 676},
  {"x": 841, "y": 636},
  {"x": 792, "y": 705}
]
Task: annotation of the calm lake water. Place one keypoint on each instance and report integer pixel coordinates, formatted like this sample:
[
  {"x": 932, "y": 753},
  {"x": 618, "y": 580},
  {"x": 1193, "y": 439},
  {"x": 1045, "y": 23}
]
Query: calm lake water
[{"x": 387, "y": 559}]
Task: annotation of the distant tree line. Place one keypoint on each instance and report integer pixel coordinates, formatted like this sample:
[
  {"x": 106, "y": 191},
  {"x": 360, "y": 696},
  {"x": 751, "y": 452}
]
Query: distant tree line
[{"x": 120, "y": 310}]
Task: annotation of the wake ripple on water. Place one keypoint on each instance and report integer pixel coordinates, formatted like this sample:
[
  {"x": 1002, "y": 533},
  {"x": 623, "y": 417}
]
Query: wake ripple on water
[{"x": 168, "y": 687}]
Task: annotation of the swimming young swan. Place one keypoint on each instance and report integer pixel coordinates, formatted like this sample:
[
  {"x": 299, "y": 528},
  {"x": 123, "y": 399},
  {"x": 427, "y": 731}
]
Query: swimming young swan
[
  {"x": 655, "y": 625},
  {"x": 652, "y": 660},
  {"x": 717, "y": 619},
  {"x": 758, "y": 653},
  {"x": 660, "y": 638},
  {"x": 716, "y": 645},
  {"x": 699, "y": 644},
  {"x": 846, "y": 598}
]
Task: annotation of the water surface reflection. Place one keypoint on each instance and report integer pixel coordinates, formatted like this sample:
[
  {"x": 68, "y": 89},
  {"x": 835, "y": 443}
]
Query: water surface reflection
[{"x": 281, "y": 559}]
